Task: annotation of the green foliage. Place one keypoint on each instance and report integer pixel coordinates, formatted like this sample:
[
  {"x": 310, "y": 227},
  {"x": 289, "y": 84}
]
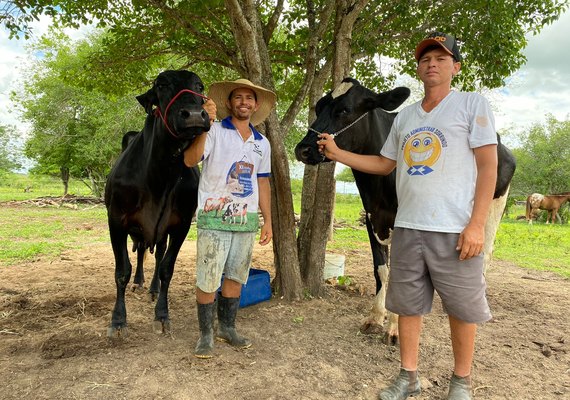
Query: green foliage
[
  {"x": 26, "y": 233},
  {"x": 31, "y": 232},
  {"x": 73, "y": 127},
  {"x": 344, "y": 280},
  {"x": 90, "y": 84},
  {"x": 17, "y": 187},
  {"x": 9, "y": 153},
  {"x": 345, "y": 175},
  {"x": 538, "y": 246},
  {"x": 543, "y": 159}
]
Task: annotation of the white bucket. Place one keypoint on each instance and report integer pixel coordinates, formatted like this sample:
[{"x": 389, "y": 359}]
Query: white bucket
[{"x": 334, "y": 265}]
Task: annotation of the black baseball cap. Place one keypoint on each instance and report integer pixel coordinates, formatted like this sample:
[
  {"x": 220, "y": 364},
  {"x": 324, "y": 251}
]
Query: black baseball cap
[{"x": 447, "y": 42}]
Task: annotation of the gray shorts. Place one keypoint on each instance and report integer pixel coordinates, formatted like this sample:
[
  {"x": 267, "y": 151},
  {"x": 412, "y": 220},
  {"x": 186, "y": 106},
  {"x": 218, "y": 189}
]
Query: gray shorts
[
  {"x": 222, "y": 252},
  {"x": 422, "y": 261}
]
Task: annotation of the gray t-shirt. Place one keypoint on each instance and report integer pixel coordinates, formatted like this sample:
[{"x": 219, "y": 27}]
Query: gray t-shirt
[{"x": 436, "y": 171}]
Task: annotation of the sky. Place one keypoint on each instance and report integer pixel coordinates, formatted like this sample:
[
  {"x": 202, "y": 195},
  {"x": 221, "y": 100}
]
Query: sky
[{"x": 540, "y": 87}]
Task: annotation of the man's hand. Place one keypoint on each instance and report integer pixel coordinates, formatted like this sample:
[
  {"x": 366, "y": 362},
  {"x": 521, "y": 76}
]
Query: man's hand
[
  {"x": 327, "y": 146},
  {"x": 471, "y": 241},
  {"x": 266, "y": 234},
  {"x": 210, "y": 107}
]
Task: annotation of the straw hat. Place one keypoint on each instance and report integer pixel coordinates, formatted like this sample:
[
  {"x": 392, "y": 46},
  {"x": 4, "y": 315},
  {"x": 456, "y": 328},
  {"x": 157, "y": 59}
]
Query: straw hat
[{"x": 220, "y": 92}]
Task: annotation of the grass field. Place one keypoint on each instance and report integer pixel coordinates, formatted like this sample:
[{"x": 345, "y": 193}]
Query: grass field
[{"x": 29, "y": 232}]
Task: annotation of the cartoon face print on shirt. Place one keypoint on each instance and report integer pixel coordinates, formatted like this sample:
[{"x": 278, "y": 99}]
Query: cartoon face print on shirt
[
  {"x": 238, "y": 179},
  {"x": 422, "y": 148}
]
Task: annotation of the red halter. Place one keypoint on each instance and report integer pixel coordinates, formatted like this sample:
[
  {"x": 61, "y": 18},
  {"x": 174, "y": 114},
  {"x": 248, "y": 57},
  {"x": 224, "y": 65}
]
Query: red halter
[{"x": 163, "y": 117}]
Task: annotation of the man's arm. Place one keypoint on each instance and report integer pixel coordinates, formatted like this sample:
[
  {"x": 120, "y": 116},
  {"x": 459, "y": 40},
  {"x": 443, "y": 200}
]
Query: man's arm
[
  {"x": 370, "y": 164},
  {"x": 193, "y": 154},
  {"x": 265, "y": 207},
  {"x": 472, "y": 239}
]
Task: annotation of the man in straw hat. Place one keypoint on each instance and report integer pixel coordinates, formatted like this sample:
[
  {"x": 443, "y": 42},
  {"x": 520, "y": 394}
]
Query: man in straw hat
[
  {"x": 236, "y": 165},
  {"x": 445, "y": 150}
]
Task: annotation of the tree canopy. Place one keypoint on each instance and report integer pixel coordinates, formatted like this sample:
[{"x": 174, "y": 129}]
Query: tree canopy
[
  {"x": 73, "y": 129},
  {"x": 9, "y": 154},
  {"x": 543, "y": 159},
  {"x": 345, "y": 175}
]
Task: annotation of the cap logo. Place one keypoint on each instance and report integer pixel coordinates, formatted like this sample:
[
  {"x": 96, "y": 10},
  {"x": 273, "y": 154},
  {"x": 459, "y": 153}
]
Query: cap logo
[{"x": 439, "y": 38}]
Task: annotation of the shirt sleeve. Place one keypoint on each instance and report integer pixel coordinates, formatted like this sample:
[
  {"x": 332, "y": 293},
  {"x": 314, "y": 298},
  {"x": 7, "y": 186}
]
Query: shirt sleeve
[
  {"x": 390, "y": 148},
  {"x": 264, "y": 169},
  {"x": 482, "y": 122},
  {"x": 210, "y": 140}
]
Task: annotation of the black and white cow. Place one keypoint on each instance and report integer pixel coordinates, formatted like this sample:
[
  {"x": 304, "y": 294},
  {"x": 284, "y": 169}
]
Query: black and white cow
[
  {"x": 150, "y": 194},
  {"x": 359, "y": 119}
]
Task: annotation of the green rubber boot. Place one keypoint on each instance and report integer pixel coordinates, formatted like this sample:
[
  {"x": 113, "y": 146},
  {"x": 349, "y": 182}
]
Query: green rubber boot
[
  {"x": 227, "y": 311},
  {"x": 205, "y": 345}
]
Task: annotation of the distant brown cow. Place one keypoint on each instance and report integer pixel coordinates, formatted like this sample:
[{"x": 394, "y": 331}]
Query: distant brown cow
[{"x": 551, "y": 203}]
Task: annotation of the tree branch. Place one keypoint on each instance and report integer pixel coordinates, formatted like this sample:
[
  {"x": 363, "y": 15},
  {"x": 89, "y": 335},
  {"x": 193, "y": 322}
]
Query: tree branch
[{"x": 273, "y": 21}]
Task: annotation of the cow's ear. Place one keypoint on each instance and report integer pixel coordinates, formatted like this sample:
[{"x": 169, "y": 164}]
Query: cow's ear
[
  {"x": 148, "y": 99},
  {"x": 323, "y": 101},
  {"x": 392, "y": 99}
]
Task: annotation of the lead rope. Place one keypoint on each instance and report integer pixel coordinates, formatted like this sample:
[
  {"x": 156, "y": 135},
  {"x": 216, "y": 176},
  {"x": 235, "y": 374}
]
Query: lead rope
[
  {"x": 339, "y": 132},
  {"x": 163, "y": 117},
  {"x": 343, "y": 129}
]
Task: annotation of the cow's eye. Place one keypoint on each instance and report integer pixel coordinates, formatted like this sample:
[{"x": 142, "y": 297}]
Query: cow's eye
[{"x": 342, "y": 112}]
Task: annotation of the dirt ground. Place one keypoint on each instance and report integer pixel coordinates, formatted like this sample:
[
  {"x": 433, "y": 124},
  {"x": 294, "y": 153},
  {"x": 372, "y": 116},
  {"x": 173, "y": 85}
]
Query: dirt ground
[{"x": 54, "y": 315}]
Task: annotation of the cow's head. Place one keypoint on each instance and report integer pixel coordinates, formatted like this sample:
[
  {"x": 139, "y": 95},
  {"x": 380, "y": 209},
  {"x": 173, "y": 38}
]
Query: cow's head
[
  {"x": 176, "y": 97},
  {"x": 344, "y": 106}
]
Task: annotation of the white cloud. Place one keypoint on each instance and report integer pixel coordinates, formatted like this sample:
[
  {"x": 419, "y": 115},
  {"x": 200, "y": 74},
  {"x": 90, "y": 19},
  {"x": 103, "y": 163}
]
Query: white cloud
[{"x": 542, "y": 85}]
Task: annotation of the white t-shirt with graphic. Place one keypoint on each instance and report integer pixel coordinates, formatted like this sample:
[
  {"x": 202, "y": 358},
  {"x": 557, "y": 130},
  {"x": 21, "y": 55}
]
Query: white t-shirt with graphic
[
  {"x": 228, "y": 194},
  {"x": 436, "y": 171}
]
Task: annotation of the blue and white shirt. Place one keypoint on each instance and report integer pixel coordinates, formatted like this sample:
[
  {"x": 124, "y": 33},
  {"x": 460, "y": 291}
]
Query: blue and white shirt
[{"x": 228, "y": 194}]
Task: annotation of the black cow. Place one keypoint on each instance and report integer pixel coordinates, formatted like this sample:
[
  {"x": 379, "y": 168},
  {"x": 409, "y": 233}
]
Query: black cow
[
  {"x": 357, "y": 116},
  {"x": 150, "y": 194},
  {"x": 139, "y": 247},
  {"x": 127, "y": 139}
]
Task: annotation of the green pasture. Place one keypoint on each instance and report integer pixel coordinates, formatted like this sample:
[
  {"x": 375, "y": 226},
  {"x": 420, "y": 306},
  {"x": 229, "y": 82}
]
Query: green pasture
[{"x": 28, "y": 232}]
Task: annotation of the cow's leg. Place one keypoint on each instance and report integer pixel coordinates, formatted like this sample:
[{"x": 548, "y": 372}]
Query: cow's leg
[
  {"x": 138, "y": 281},
  {"x": 374, "y": 322},
  {"x": 123, "y": 271},
  {"x": 493, "y": 220},
  {"x": 166, "y": 270},
  {"x": 154, "y": 288}
]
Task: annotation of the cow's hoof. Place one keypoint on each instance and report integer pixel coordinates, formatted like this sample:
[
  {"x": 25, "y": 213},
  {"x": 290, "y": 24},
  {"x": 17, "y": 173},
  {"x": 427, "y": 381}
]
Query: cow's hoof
[
  {"x": 371, "y": 328},
  {"x": 137, "y": 287},
  {"x": 153, "y": 296},
  {"x": 390, "y": 340},
  {"x": 117, "y": 332},
  {"x": 161, "y": 326}
]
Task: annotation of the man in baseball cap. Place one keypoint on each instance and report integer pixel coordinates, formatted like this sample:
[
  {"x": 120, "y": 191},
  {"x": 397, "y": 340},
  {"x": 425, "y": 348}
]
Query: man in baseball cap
[
  {"x": 444, "y": 151},
  {"x": 443, "y": 40}
]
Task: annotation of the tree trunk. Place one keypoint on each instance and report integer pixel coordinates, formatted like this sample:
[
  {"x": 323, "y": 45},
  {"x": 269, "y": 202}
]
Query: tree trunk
[
  {"x": 318, "y": 182},
  {"x": 287, "y": 282},
  {"x": 318, "y": 198},
  {"x": 254, "y": 60},
  {"x": 65, "y": 179}
]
